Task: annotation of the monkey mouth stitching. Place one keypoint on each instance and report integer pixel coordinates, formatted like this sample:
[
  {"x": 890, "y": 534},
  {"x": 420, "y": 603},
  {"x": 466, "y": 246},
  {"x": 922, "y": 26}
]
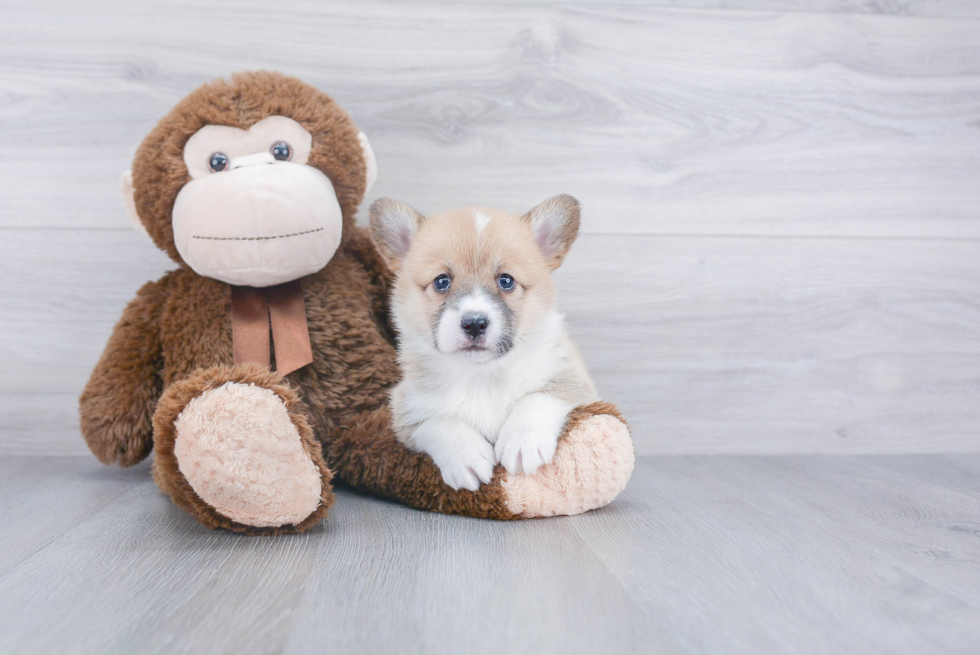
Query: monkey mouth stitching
[{"x": 281, "y": 236}]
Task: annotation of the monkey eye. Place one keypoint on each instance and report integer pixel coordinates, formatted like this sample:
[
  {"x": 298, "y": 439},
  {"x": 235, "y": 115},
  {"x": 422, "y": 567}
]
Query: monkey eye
[
  {"x": 218, "y": 162},
  {"x": 281, "y": 151}
]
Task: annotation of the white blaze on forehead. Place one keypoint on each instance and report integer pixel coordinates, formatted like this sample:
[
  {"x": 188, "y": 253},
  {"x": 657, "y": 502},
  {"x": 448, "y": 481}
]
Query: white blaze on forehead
[
  {"x": 476, "y": 303},
  {"x": 481, "y": 219}
]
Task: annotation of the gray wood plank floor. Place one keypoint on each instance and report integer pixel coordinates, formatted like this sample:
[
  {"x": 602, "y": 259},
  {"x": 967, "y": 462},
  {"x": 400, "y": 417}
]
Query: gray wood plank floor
[{"x": 769, "y": 555}]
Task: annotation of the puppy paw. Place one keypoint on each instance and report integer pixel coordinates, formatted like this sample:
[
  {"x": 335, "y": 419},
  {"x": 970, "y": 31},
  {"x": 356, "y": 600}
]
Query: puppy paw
[
  {"x": 463, "y": 456},
  {"x": 529, "y": 437},
  {"x": 468, "y": 470},
  {"x": 525, "y": 447}
]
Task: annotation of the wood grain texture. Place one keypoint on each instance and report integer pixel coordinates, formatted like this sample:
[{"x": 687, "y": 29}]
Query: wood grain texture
[
  {"x": 75, "y": 491},
  {"x": 935, "y": 8},
  {"x": 793, "y": 555},
  {"x": 782, "y": 345},
  {"x": 753, "y": 345},
  {"x": 660, "y": 120},
  {"x": 820, "y": 554},
  {"x": 782, "y": 242}
]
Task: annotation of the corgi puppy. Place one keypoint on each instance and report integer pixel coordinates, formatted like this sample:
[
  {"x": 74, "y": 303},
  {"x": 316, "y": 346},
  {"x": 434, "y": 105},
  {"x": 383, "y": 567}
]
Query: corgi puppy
[{"x": 489, "y": 373}]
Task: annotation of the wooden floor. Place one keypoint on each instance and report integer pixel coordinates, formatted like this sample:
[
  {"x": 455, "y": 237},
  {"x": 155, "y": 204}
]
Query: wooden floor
[{"x": 789, "y": 554}]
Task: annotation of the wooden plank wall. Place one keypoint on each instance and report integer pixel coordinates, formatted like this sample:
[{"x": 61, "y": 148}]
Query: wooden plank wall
[{"x": 781, "y": 247}]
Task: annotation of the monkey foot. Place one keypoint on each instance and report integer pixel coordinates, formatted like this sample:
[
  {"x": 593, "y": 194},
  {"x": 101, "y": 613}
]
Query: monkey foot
[
  {"x": 591, "y": 467},
  {"x": 231, "y": 451}
]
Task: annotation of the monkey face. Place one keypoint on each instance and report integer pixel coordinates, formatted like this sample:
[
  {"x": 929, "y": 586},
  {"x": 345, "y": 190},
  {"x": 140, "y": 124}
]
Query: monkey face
[
  {"x": 254, "y": 213},
  {"x": 253, "y": 181}
]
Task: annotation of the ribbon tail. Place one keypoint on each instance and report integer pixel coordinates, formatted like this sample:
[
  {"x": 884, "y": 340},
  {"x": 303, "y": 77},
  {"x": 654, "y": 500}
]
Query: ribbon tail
[
  {"x": 250, "y": 326},
  {"x": 290, "y": 332}
]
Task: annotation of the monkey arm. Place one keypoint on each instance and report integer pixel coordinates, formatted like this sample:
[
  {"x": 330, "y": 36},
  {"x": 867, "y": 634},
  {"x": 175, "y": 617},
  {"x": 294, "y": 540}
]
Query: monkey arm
[
  {"x": 365, "y": 455},
  {"x": 591, "y": 467},
  {"x": 116, "y": 407}
]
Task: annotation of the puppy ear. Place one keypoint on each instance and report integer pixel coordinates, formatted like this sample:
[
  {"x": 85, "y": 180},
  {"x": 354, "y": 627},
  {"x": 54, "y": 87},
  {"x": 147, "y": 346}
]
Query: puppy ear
[
  {"x": 554, "y": 224},
  {"x": 393, "y": 226}
]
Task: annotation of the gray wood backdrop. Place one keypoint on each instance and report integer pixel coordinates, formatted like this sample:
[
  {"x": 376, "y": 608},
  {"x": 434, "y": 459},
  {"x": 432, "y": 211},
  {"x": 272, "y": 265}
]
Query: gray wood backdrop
[{"x": 781, "y": 248}]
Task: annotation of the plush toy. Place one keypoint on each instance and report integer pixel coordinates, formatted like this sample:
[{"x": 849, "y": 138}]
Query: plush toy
[{"x": 259, "y": 369}]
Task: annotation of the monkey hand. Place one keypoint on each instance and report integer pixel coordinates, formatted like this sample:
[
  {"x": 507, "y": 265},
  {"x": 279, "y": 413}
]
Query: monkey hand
[
  {"x": 115, "y": 439},
  {"x": 116, "y": 408}
]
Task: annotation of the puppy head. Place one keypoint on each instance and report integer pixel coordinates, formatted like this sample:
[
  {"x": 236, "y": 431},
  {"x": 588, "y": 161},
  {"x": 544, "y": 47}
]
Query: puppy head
[{"x": 473, "y": 283}]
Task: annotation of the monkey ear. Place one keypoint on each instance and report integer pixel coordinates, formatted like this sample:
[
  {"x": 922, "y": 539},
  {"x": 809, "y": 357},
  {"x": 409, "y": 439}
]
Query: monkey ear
[
  {"x": 129, "y": 202},
  {"x": 393, "y": 225},
  {"x": 555, "y": 226},
  {"x": 369, "y": 161}
]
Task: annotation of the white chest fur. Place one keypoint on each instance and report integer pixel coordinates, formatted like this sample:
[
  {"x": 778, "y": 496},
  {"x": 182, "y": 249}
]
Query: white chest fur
[{"x": 479, "y": 395}]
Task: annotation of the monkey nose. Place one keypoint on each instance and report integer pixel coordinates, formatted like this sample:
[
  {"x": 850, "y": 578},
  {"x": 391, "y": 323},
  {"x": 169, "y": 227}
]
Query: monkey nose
[{"x": 252, "y": 160}]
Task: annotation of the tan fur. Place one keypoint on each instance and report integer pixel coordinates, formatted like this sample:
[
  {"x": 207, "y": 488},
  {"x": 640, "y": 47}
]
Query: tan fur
[
  {"x": 489, "y": 372},
  {"x": 558, "y": 243},
  {"x": 392, "y": 243},
  {"x": 448, "y": 242}
]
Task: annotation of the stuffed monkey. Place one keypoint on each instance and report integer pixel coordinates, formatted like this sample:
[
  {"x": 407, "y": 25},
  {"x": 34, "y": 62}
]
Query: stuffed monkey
[{"x": 259, "y": 369}]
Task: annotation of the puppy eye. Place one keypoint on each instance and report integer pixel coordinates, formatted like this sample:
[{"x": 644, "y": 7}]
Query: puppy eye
[
  {"x": 281, "y": 151},
  {"x": 218, "y": 162},
  {"x": 442, "y": 283},
  {"x": 505, "y": 281}
]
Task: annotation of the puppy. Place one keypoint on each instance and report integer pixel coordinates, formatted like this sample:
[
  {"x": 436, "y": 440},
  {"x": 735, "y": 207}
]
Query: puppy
[{"x": 490, "y": 374}]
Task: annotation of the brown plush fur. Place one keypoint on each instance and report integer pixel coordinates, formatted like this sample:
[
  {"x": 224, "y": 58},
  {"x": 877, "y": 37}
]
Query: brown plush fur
[
  {"x": 174, "y": 339},
  {"x": 116, "y": 408}
]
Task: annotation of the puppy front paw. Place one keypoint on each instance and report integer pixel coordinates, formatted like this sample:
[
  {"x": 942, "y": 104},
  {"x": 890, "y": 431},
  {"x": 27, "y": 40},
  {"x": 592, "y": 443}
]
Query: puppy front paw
[
  {"x": 468, "y": 465},
  {"x": 463, "y": 456},
  {"x": 529, "y": 437}
]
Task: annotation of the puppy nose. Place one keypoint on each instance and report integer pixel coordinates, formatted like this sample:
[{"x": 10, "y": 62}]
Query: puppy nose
[{"x": 474, "y": 325}]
